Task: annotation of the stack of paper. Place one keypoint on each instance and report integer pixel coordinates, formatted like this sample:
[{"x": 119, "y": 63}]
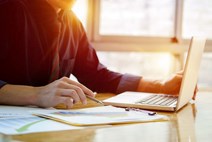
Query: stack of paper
[{"x": 19, "y": 120}]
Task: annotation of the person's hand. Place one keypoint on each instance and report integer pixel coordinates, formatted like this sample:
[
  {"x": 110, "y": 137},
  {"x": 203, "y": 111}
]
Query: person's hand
[
  {"x": 62, "y": 91},
  {"x": 169, "y": 86},
  {"x": 172, "y": 85}
]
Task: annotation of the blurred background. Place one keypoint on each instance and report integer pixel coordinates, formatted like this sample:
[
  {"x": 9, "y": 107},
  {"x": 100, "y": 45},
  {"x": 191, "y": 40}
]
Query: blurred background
[{"x": 148, "y": 37}]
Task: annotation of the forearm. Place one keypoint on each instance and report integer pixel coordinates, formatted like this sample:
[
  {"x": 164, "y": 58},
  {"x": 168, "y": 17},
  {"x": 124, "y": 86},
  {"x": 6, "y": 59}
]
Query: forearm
[
  {"x": 17, "y": 95},
  {"x": 61, "y": 91},
  {"x": 150, "y": 86}
]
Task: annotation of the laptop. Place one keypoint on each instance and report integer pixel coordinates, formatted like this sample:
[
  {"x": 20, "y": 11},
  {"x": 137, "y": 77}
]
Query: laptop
[{"x": 164, "y": 102}]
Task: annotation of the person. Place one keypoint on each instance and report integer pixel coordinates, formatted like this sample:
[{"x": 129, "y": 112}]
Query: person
[{"x": 42, "y": 43}]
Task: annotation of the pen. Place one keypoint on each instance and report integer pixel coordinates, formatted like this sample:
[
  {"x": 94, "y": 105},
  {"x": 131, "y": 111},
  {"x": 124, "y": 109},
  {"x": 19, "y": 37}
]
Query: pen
[
  {"x": 141, "y": 110},
  {"x": 94, "y": 99}
]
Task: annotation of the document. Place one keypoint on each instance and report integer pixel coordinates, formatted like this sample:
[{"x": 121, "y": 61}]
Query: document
[
  {"x": 15, "y": 111},
  {"x": 98, "y": 116},
  {"x": 19, "y": 120}
]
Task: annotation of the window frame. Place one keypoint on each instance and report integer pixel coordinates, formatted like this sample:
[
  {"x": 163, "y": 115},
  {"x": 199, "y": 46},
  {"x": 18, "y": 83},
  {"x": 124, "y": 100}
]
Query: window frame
[
  {"x": 127, "y": 43},
  {"x": 176, "y": 44}
]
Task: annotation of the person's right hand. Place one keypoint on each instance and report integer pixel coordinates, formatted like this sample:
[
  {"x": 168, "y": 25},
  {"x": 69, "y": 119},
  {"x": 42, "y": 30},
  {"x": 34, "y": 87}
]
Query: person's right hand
[{"x": 62, "y": 91}]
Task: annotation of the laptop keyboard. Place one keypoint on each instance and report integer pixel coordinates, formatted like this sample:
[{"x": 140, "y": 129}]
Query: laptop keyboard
[{"x": 162, "y": 100}]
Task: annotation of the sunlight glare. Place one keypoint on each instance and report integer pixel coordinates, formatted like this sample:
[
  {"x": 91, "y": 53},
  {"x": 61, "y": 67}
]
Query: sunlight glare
[
  {"x": 165, "y": 62},
  {"x": 80, "y": 9}
]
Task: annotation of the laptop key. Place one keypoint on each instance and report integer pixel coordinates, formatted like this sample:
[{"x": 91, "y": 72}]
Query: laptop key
[
  {"x": 162, "y": 100},
  {"x": 167, "y": 101},
  {"x": 146, "y": 99},
  {"x": 158, "y": 99},
  {"x": 174, "y": 101}
]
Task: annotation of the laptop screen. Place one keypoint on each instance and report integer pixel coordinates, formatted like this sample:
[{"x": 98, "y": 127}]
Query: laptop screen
[{"x": 191, "y": 71}]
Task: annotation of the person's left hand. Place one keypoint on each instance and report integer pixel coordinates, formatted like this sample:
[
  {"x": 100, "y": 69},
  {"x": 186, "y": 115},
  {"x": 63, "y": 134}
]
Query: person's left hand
[{"x": 172, "y": 85}]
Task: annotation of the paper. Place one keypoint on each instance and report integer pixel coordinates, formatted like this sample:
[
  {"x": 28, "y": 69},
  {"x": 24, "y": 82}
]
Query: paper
[
  {"x": 13, "y": 111},
  {"x": 98, "y": 116},
  {"x": 12, "y": 126},
  {"x": 18, "y": 120}
]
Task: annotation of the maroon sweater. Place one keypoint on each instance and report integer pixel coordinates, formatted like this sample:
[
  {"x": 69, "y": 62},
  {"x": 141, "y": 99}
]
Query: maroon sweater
[{"x": 28, "y": 29}]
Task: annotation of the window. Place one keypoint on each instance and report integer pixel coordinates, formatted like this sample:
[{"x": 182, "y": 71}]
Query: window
[
  {"x": 197, "y": 19},
  {"x": 137, "y": 17},
  {"x": 205, "y": 79},
  {"x": 146, "y": 18}
]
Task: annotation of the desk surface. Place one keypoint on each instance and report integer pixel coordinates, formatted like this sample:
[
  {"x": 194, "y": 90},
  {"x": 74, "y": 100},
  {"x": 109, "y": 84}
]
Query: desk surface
[{"x": 192, "y": 123}]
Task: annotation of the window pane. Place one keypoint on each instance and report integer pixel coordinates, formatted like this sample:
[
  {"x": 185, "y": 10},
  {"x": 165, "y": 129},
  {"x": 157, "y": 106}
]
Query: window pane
[
  {"x": 205, "y": 78},
  {"x": 80, "y": 9},
  {"x": 150, "y": 65},
  {"x": 137, "y": 17},
  {"x": 197, "y": 19}
]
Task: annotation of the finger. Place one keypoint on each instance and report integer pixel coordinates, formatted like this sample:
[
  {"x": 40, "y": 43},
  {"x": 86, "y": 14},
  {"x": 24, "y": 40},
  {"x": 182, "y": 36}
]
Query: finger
[
  {"x": 178, "y": 77},
  {"x": 180, "y": 72},
  {"x": 68, "y": 102},
  {"x": 71, "y": 93},
  {"x": 78, "y": 94},
  {"x": 194, "y": 96},
  {"x": 195, "y": 92},
  {"x": 78, "y": 91},
  {"x": 84, "y": 89}
]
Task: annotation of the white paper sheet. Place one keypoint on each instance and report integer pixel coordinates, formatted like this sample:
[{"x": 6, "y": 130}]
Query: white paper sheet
[
  {"x": 18, "y": 120},
  {"x": 98, "y": 116},
  {"x": 16, "y": 111}
]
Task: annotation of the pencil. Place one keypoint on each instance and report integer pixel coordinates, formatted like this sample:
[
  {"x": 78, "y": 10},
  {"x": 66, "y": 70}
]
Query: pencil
[{"x": 94, "y": 99}]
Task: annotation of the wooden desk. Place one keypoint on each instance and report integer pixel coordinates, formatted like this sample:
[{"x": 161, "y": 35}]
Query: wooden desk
[{"x": 192, "y": 123}]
